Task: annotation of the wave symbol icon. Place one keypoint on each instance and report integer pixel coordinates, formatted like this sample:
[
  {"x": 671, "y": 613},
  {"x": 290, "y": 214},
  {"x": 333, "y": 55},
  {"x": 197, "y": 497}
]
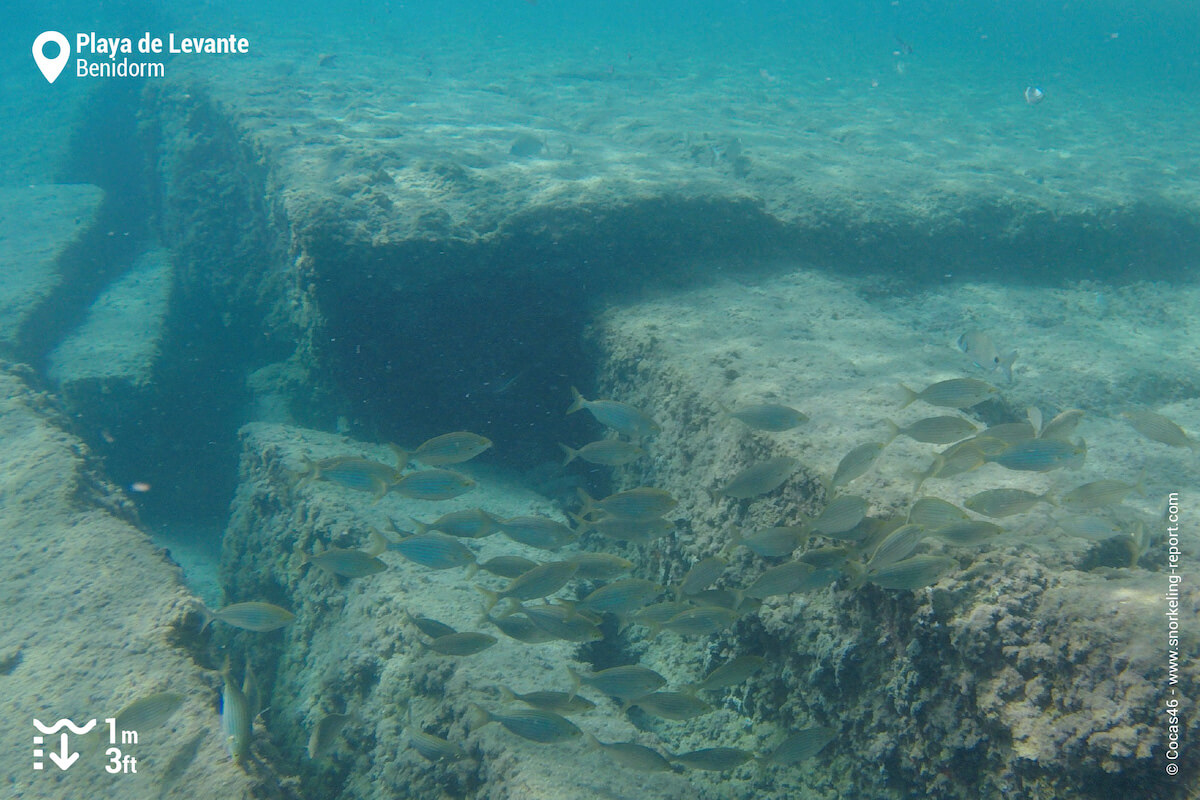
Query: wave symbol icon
[{"x": 65, "y": 723}]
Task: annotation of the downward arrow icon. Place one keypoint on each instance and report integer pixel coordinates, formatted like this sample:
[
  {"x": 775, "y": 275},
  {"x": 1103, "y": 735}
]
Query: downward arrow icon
[{"x": 64, "y": 758}]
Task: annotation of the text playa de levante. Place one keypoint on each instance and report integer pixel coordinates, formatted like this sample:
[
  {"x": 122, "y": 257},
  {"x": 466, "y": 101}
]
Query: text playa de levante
[{"x": 112, "y": 46}]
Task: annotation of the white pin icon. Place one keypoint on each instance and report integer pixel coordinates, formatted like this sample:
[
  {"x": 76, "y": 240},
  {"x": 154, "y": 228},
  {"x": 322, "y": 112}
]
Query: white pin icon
[{"x": 51, "y": 67}]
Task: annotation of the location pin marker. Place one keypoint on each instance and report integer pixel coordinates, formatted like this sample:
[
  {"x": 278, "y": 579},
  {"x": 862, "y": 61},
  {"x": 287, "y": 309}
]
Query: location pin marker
[{"x": 51, "y": 67}]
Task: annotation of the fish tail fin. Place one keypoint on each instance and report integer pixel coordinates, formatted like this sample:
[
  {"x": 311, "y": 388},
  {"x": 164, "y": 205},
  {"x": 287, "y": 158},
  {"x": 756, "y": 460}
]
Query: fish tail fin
[
  {"x": 584, "y": 525},
  {"x": 1080, "y": 455},
  {"x": 208, "y": 615},
  {"x": 1006, "y": 364},
  {"x": 577, "y": 401},
  {"x": 419, "y": 528},
  {"x": 893, "y": 431},
  {"x": 402, "y": 456},
  {"x": 311, "y": 471},
  {"x": 507, "y": 695},
  {"x": 1140, "y": 486},
  {"x": 377, "y": 544},
  {"x": 739, "y": 596},
  {"x": 569, "y": 452},
  {"x": 576, "y": 682},
  {"x": 491, "y": 598},
  {"x": 589, "y": 502},
  {"x": 856, "y": 571},
  {"x": 477, "y": 717},
  {"x": 1034, "y": 415},
  {"x": 909, "y": 395}
]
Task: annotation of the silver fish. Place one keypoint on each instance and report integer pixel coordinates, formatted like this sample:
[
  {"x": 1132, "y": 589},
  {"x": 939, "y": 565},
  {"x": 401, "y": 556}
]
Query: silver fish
[
  {"x": 540, "y": 532},
  {"x": 621, "y": 417},
  {"x": 984, "y": 354},
  {"x": 236, "y": 721},
  {"x": 325, "y": 734},
  {"x": 508, "y": 566},
  {"x": 434, "y": 748},
  {"x": 451, "y": 448},
  {"x": 521, "y": 628},
  {"x": 1098, "y": 494},
  {"x": 899, "y": 544},
  {"x": 800, "y": 745},
  {"x": 702, "y": 575},
  {"x": 460, "y": 644},
  {"x": 622, "y": 597},
  {"x": 715, "y": 759},
  {"x": 968, "y": 532},
  {"x": 599, "y": 566},
  {"x": 543, "y": 727},
  {"x": 677, "y": 706},
  {"x": 1158, "y": 428},
  {"x": 251, "y": 616},
  {"x": 771, "y": 542},
  {"x": 540, "y": 581},
  {"x": 1041, "y": 455},
  {"x": 768, "y": 416},
  {"x": 703, "y": 621},
  {"x": 624, "y": 683},
  {"x": 430, "y": 627},
  {"x": 632, "y": 755},
  {"x": 935, "y": 430},
  {"x": 954, "y": 393},
  {"x": 606, "y": 453},
  {"x": 558, "y": 702},
  {"x": 353, "y": 472},
  {"x": 348, "y": 563},
  {"x": 642, "y": 503},
  {"x": 999, "y": 503},
  {"x": 791, "y": 576},
  {"x": 856, "y": 463},
  {"x": 758, "y": 479},
  {"x": 433, "y": 550},
  {"x": 840, "y": 516},
  {"x": 916, "y": 572},
  {"x": 470, "y": 523},
  {"x": 433, "y": 484},
  {"x": 564, "y": 621},
  {"x": 933, "y": 512}
]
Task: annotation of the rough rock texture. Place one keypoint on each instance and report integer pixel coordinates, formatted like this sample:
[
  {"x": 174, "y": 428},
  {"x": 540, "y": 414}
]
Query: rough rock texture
[
  {"x": 1018, "y": 675},
  {"x": 353, "y": 650},
  {"x": 331, "y": 219},
  {"x": 94, "y": 618}
]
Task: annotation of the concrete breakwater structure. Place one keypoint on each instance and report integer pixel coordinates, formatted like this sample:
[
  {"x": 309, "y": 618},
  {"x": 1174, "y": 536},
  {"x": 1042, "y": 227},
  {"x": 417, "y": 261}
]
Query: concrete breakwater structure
[{"x": 337, "y": 255}]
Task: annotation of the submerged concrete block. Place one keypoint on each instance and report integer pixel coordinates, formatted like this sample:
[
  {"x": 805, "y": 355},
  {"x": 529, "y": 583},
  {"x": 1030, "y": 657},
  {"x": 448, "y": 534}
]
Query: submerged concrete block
[
  {"x": 119, "y": 340},
  {"x": 93, "y": 616},
  {"x": 36, "y": 224}
]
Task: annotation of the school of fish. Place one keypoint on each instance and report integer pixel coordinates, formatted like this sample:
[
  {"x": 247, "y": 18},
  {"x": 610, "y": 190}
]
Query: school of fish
[{"x": 568, "y": 595}]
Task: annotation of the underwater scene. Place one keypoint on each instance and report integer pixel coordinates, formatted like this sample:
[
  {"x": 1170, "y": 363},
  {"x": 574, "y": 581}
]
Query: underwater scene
[{"x": 581, "y": 400}]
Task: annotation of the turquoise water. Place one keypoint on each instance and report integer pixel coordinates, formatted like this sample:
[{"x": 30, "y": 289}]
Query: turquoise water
[{"x": 385, "y": 222}]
